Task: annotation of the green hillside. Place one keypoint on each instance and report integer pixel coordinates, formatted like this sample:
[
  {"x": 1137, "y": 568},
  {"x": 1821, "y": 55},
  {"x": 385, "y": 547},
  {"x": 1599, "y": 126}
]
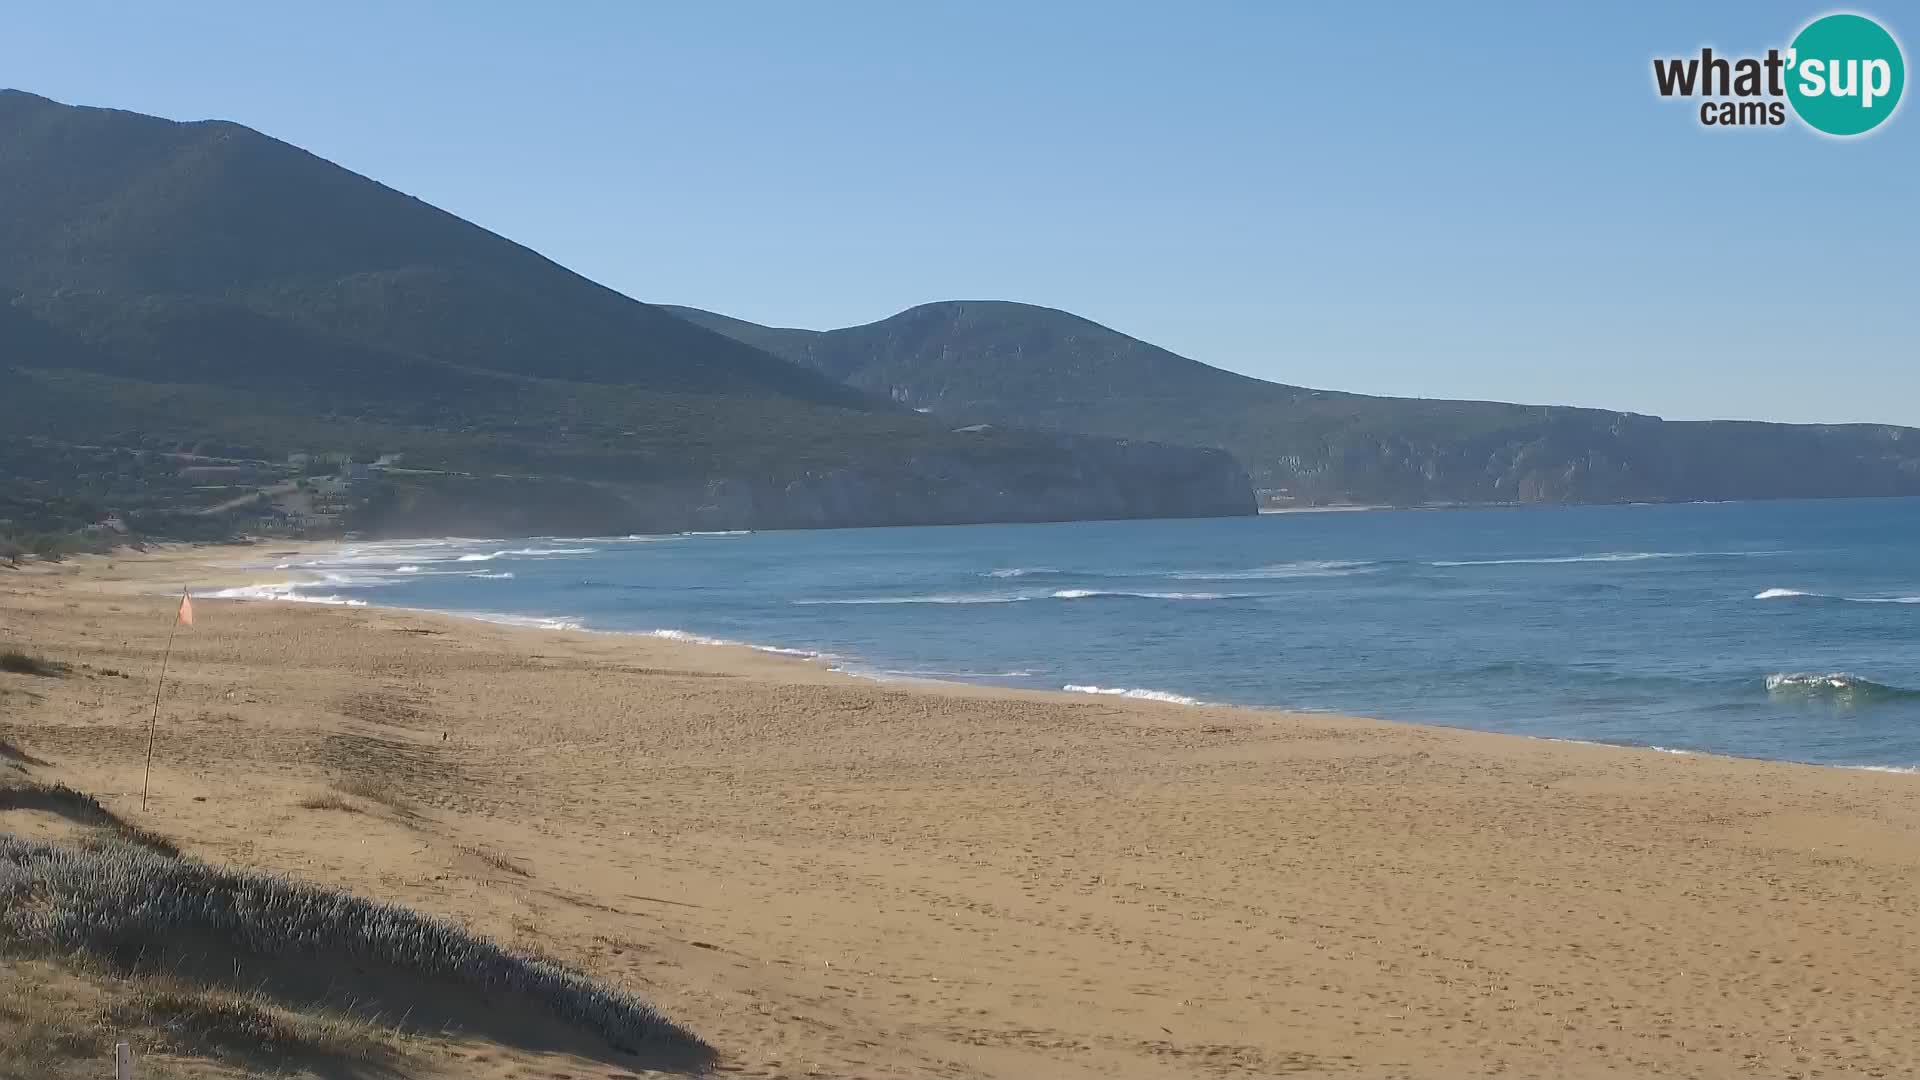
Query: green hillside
[
  {"x": 1019, "y": 364},
  {"x": 203, "y": 289}
]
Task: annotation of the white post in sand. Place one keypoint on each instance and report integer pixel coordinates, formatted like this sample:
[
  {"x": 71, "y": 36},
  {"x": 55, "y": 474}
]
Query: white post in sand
[{"x": 122, "y": 1062}]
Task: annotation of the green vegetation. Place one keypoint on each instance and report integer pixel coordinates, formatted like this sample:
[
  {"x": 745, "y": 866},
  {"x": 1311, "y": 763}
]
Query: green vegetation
[
  {"x": 1017, "y": 364},
  {"x": 24, "y": 663},
  {"x": 372, "y": 789},
  {"x": 329, "y": 800},
  {"x": 499, "y": 860},
  {"x": 82, "y": 809},
  {"x": 125, "y": 906},
  {"x": 194, "y": 314},
  {"x": 15, "y": 759},
  {"x": 259, "y": 972},
  {"x": 249, "y": 1028}
]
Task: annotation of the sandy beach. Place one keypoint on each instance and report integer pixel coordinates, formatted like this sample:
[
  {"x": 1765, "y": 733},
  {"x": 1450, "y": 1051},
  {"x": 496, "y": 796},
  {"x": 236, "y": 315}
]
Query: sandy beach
[{"x": 827, "y": 876}]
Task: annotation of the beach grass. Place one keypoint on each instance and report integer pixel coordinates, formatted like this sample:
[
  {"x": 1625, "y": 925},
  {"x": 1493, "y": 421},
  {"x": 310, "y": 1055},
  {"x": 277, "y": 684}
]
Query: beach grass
[
  {"x": 194, "y": 1019},
  {"x": 328, "y": 800},
  {"x": 133, "y": 908},
  {"x": 57, "y": 1027},
  {"x": 11, "y": 752},
  {"x": 20, "y": 662},
  {"x": 499, "y": 860},
  {"x": 373, "y": 789},
  {"x": 83, "y": 809}
]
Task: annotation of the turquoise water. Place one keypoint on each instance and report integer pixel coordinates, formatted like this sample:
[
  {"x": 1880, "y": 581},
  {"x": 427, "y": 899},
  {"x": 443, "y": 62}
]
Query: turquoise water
[{"x": 1774, "y": 630}]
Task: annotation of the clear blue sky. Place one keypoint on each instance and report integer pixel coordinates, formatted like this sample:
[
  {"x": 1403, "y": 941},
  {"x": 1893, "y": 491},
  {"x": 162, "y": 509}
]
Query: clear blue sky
[{"x": 1437, "y": 200}]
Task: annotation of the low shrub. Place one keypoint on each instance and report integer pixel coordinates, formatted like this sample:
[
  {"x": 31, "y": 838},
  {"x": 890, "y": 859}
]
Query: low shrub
[
  {"x": 126, "y": 902},
  {"x": 328, "y": 800},
  {"x": 78, "y": 806},
  {"x": 375, "y": 790},
  {"x": 496, "y": 859},
  {"x": 23, "y": 663}
]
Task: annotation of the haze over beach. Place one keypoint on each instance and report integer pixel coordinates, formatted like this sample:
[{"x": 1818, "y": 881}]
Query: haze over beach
[{"x": 795, "y": 542}]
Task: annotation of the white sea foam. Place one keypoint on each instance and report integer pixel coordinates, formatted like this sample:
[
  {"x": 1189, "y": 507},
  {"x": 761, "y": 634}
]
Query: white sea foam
[
  {"x": 1311, "y": 568},
  {"x": 923, "y": 674},
  {"x": 1088, "y": 594},
  {"x": 1903, "y": 770},
  {"x": 1021, "y": 571},
  {"x": 958, "y": 598},
  {"x": 284, "y": 590},
  {"x": 702, "y": 639},
  {"x": 534, "y": 622},
  {"x": 525, "y": 553},
  {"x": 1017, "y": 598},
  {"x": 1136, "y": 694},
  {"x": 370, "y": 578},
  {"x": 691, "y": 638},
  {"x": 1787, "y": 594},
  {"x": 1839, "y": 681},
  {"x": 1604, "y": 557}
]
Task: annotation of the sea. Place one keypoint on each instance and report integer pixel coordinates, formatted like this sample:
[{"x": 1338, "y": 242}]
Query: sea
[{"x": 1778, "y": 630}]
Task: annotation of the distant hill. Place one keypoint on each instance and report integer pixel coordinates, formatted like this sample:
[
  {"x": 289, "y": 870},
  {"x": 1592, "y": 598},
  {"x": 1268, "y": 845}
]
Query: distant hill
[
  {"x": 1019, "y": 364},
  {"x": 201, "y": 287}
]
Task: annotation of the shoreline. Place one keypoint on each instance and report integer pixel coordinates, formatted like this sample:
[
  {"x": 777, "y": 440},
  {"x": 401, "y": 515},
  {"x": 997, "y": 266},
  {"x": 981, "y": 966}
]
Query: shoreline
[
  {"x": 833, "y": 662},
  {"x": 817, "y": 871}
]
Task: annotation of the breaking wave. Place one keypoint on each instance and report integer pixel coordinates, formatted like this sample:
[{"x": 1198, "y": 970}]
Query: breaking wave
[
  {"x": 1604, "y": 557},
  {"x": 1838, "y": 686},
  {"x": 525, "y": 552},
  {"x": 691, "y": 638},
  {"x": 1089, "y": 594},
  {"x": 924, "y": 674},
  {"x": 1311, "y": 568},
  {"x": 284, "y": 590},
  {"x": 531, "y": 622},
  {"x": 1018, "y": 598},
  {"x": 1790, "y": 594},
  {"x": 1138, "y": 695},
  {"x": 934, "y": 599}
]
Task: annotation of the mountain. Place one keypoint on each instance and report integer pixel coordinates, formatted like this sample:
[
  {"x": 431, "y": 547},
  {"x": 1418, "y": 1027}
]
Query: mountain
[
  {"x": 203, "y": 289},
  {"x": 1019, "y": 364}
]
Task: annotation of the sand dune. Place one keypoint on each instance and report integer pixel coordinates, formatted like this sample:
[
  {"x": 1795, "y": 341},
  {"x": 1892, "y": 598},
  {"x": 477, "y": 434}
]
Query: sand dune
[{"x": 826, "y": 876}]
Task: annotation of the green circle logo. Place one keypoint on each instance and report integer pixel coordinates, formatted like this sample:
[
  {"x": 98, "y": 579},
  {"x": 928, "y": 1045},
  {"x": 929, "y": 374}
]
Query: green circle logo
[{"x": 1845, "y": 74}]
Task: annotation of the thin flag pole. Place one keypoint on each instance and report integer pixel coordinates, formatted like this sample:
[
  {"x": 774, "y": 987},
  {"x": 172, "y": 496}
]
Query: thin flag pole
[{"x": 153, "y": 723}]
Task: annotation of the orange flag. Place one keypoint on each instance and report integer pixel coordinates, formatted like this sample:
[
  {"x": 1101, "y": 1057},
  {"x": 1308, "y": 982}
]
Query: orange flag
[{"x": 186, "y": 610}]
